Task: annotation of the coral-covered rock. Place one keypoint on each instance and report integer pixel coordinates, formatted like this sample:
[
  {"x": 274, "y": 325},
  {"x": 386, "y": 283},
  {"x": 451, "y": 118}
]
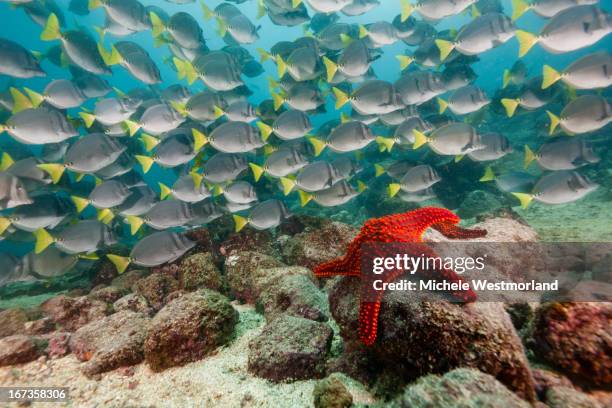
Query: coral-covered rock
[
  {"x": 189, "y": 328},
  {"x": 72, "y": 313},
  {"x": 155, "y": 288},
  {"x": 568, "y": 397},
  {"x": 545, "y": 379},
  {"x": 40, "y": 326},
  {"x": 576, "y": 338},
  {"x": 290, "y": 348},
  {"x": 199, "y": 271},
  {"x": 105, "y": 272},
  {"x": 107, "y": 294},
  {"x": 312, "y": 247},
  {"x": 135, "y": 303},
  {"x": 18, "y": 349},
  {"x": 12, "y": 321},
  {"x": 58, "y": 344},
  {"x": 498, "y": 230},
  {"x": 242, "y": 276},
  {"x": 462, "y": 387},
  {"x": 478, "y": 335},
  {"x": 248, "y": 240},
  {"x": 295, "y": 295},
  {"x": 331, "y": 393},
  {"x": 112, "y": 342},
  {"x": 127, "y": 279},
  {"x": 478, "y": 202},
  {"x": 203, "y": 239}
]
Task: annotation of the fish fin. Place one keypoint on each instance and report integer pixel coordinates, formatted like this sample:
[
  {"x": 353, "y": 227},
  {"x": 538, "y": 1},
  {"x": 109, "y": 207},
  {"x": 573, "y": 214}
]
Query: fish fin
[
  {"x": 443, "y": 105},
  {"x": 488, "y": 175},
  {"x": 318, "y": 145},
  {"x": 404, "y": 61},
  {"x": 94, "y": 4},
  {"x": 346, "y": 39},
  {"x": 218, "y": 112},
  {"x": 240, "y": 222},
  {"x": 287, "y": 184},
  {"x": 79, "y": 176},
  {"x": 222, "y": 28},
  {"x": 554, "y": 122},
  {"x": 304, "y": 197},
  {"x": 419, "y": 139},
  {"x": 264, "y": 55},
  {"x": 55, "y": 170},
  {"x": 145, "y": 161},
  {"x": 506, "y": 79},
  {"x": 131, "y": 127},
  {"x": 199, "y": 139},
  {"x": 217, "y": 190},
  {"x": 261, "y": 9},
  {"x": 295, "y": 3},
  {"x": 120, "y": 262},
  {"x": 525, "y": 199},
  {"x": 180, "y": 107},
  {"x": 134, "y": 222},
  {"x": 158, "y": 25},
  {"x": 257, "y": 170},
  {"x": 38, "y": 55},
  {"x": 379, "y": 170},
  {"x": 197, "y": 179},
  {"x": 4, "y": 224},
  {"x": 519, "y": 7},
  {"x": 43, "y": 240},
  {"x": 445, "y": 47},
  {"x": 407, "y": 10},
  {"x": 208, "y": 13},
  {"x": 475, "y": 12},
  {"x": 385, "y": 142},
  {"x": 88, "y": 118},
  {"x": 52, "y": 29},
  {"x": 80, "y": 203},
  {"x": 6, "y": 162},
  {"x": 549, "y": 76},
  {"x": 341, "y": 97},
  {"x": 180, "y": 67},
  {"x": 105, "y": 215},
  {"x": 459, "y": 157},
  {"x": 281, "y": 66},
  {"x": 114, "y": 58},
  {"x": 20, "y": 101},
  {"x": 393, "y": 189},
  {"x": 361, "y": 186},
  {"x": 149, "y": 141},
  {"x": 529, "y": 157},
  {"x": 526, "y": 41},
  {"x": 265, "y": 130},
  {"x": 272, "y": 84},
  {"x": 101, "y": 32},
  {"x": 363, "y": 31},
  {"x": 89, "y": 257},
  {"x": 268, "y": 150},
  {"x": 331, "y": 68},
  {"x": 510, "y": 105},
  {"x": 278, "y": 100},
  {"x": 344, "y": 118}
]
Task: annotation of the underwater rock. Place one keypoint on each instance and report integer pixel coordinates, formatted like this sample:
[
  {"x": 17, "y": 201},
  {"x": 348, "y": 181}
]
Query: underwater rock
[
  {"x": 602, "y": 270},
  {"x": 73, "y": 313},
  {"x": 112, "y": 342},
  {"x": 498, "y": 230},
  {"x": 331, "y": 392},
  {"x": 295, "y": 295},
  {"x": 568, "y": 397},
  {"x": 127, "y": 279},
  {"x": 247, "y": 240},
  {"x": 106, "y": 272},
  {"x": 241, "y": 273},
  {"x": 576, "y": 338},
  {"x": 135, "y": 303},
  {"x": 40, "y": 326},
  {"x": 312, "y": 247},
  {"x": 290, "y": 348},
  {"x": 18, "y": 349},
  {"x": 199, "y": 271},
  {"x": 478, "y": 335},
  {"x": 155, "y": 288},
  {"x": 189, "y": 328},
  {"x": 466, "y": 388},
  {"x": 203, "y": 239},
  {"x": 107, "y": 294},
  {"x": 58, "y": 344},
  {"x": 545, "y": 379},
  {"x": 478, "y": 202},
  {"x": 12, "y": 321},
  {"x": 521, "y": 313}
]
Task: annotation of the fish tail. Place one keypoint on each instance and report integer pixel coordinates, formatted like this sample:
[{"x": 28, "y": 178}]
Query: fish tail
[
  {"x": 489, "y": 175},
  {"x": 363, "y": 31},
  {"x": 443, "y": 105},
  {"x": 529, "y": 156},
  {"x": 419, "y": 139},
  {"x": 385, "y": 143},
  {"x": 80, "y": 203},
  {"x": 288, "y": 185},
  {"x": 361, "y": 186},
  {"x": 197, "y": 179},
  {"x": 393, "y": 189},
  {"x": 407, "y": 10},
  {"x": 506, "y": 79},
  {"x": 474, "y": 11},
  {"x": 341, "y": 97},
  {"x": 459, "y": 157},
  {"x": 526, "y": 41},
  {"x": 180, "y": 67},
  {"x": 296, "y": 3},
  {"x": 101, "y": 32},
  {"x": 52, "y": 29},
  {"x": 331, "y": 68},
  {"x": 281, "y": 66},
  {"x": 190, "y": 72},
  {"x": 257, "y": 170},
  {"x": 134, "y": 222},
  {"x": 549, "y": 76},
  {"x": 318, "y": 145},
  {"x": 305, "y": 197},
  {"x": 554, "y": 122},
  {"x": 149, "y": 141},
  {"x": 218, "y": 112},
  {"x": 4, "y": 224},
  {"x": 379, "y": 170},
  {"x": 525, "y": 199},
  {"x": 180, "y": 107},
  {"x": 105, "y": 216},
  {"x": 404, "y": 61},
  {"x": 445, "y": 47},
  {"x": 264, "y": 55},
  {"x": 519, "y": 7},
  {"x": 131, "y": 127},
  {"x": 94, "y": 4},
  {"x": 510, "y": 105},
  {"x": 208, "y": 13},
  {"x": 55, "y": 170},
  {"x": 20, "y": 101},
  {"x": 265, "y": 130},
  {"x": 145, "y": 161},
  {"x": 43, "y": 240},
  {"x": 346, "y": 39},
  {"x": 6, "y": 162},
  {"x": 278, "y": 100},
  {"x": 88, "y": 118},
  {"x": 199, "y": 139},
  {"x": 120, "y": 262},
  {"x": 158, "y": 25},
  {"x": 261, "y": 9},
  {"x": 240, "y": 222},
  {"x": 222, "y": 28}
]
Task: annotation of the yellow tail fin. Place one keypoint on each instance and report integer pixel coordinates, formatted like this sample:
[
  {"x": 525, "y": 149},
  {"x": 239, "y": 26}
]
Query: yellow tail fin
[
  {"x": 445, "y": 47},
  {"x": 341, "y": 97},
  {"x": 52, "y": 29},
  {"x": 218, "y": 112},
  {"x": 554, "y": 122},
  {"x": 264, "y": 55},
  {"x": 180, "y": 107},
  {"x": 331, "y": 67},
  {"x": 35, "y": 97},
  {"x": 131, "y": 126},
  {"x": 361, "y": 186},
  {"x": 385, "y": 142},
  {"x": 80, "y": 203},
  {"x": 197, "y": 179},
  {"x": 20, "y": 101},
  {"x": 105, "y": 216},
  {"x": 145, "y": 161},
  {"x": 296, "y": 3},
  {"x": 88, "y": 118},
  {"x": 510, "y": 105},
  {"x": 443, "y": 105},
  {"x": 379, "y": 170},
  {"x": 54, "y": 170},
  {"x": 208, "y": 13},
  {"x": 180, "y": 67},
  {"x": 318, "y": 145},
  {"x": 281, "y": 66},
  {"x": 265, "y": 130},
  {"x": 149, "y": 141},
  {"x": 488, "y": 175},
  {"x": 507, "y": 78},
  {"x": 134, "y": 222},
  {"x": 525, "y": 199},
  {"x": 278, "y": 100},
  {"x": 393, "y": 189},
  {"x": 529, "y": 156},
  {"x": 549, "y": 76},
  {"x": 43, "y": 240},
  {"x": 526, "y": 41},
  {"x": 419, "y": 139},
  {"x": 222, "y": 28},
  {"x": 240, "y": 222},
  {"x": 363, "y": 32},
  {"x": 120, "y": 262},
  {"x": 519, "y": 7},
  {"x": 199, "y": 139},
  {"x": 287, "y": 184},
  {"x": 304, "y": 197},
  {"x": 6, "y": 162},
  {"x": 94, "y": 4},
  {"x": 404, "y": 61},
  {"x": 258, "y": 171},
  {"x": 158, "y": 25},
  {"x": 407, "y": 10},
  {"x": 4, "y": 224}
]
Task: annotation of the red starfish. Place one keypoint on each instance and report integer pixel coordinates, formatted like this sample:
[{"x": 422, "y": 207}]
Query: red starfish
[{"x": 398, "y": 228}]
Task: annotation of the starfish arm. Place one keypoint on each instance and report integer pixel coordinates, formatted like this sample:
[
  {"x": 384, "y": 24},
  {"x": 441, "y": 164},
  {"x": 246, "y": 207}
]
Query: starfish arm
[
  {"x": 453, "y": 231},
  {"x": 368, "y": 321}
]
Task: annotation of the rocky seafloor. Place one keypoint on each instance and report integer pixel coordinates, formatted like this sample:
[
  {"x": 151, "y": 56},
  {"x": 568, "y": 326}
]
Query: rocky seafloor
[{"x": 241, "y": 321}]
